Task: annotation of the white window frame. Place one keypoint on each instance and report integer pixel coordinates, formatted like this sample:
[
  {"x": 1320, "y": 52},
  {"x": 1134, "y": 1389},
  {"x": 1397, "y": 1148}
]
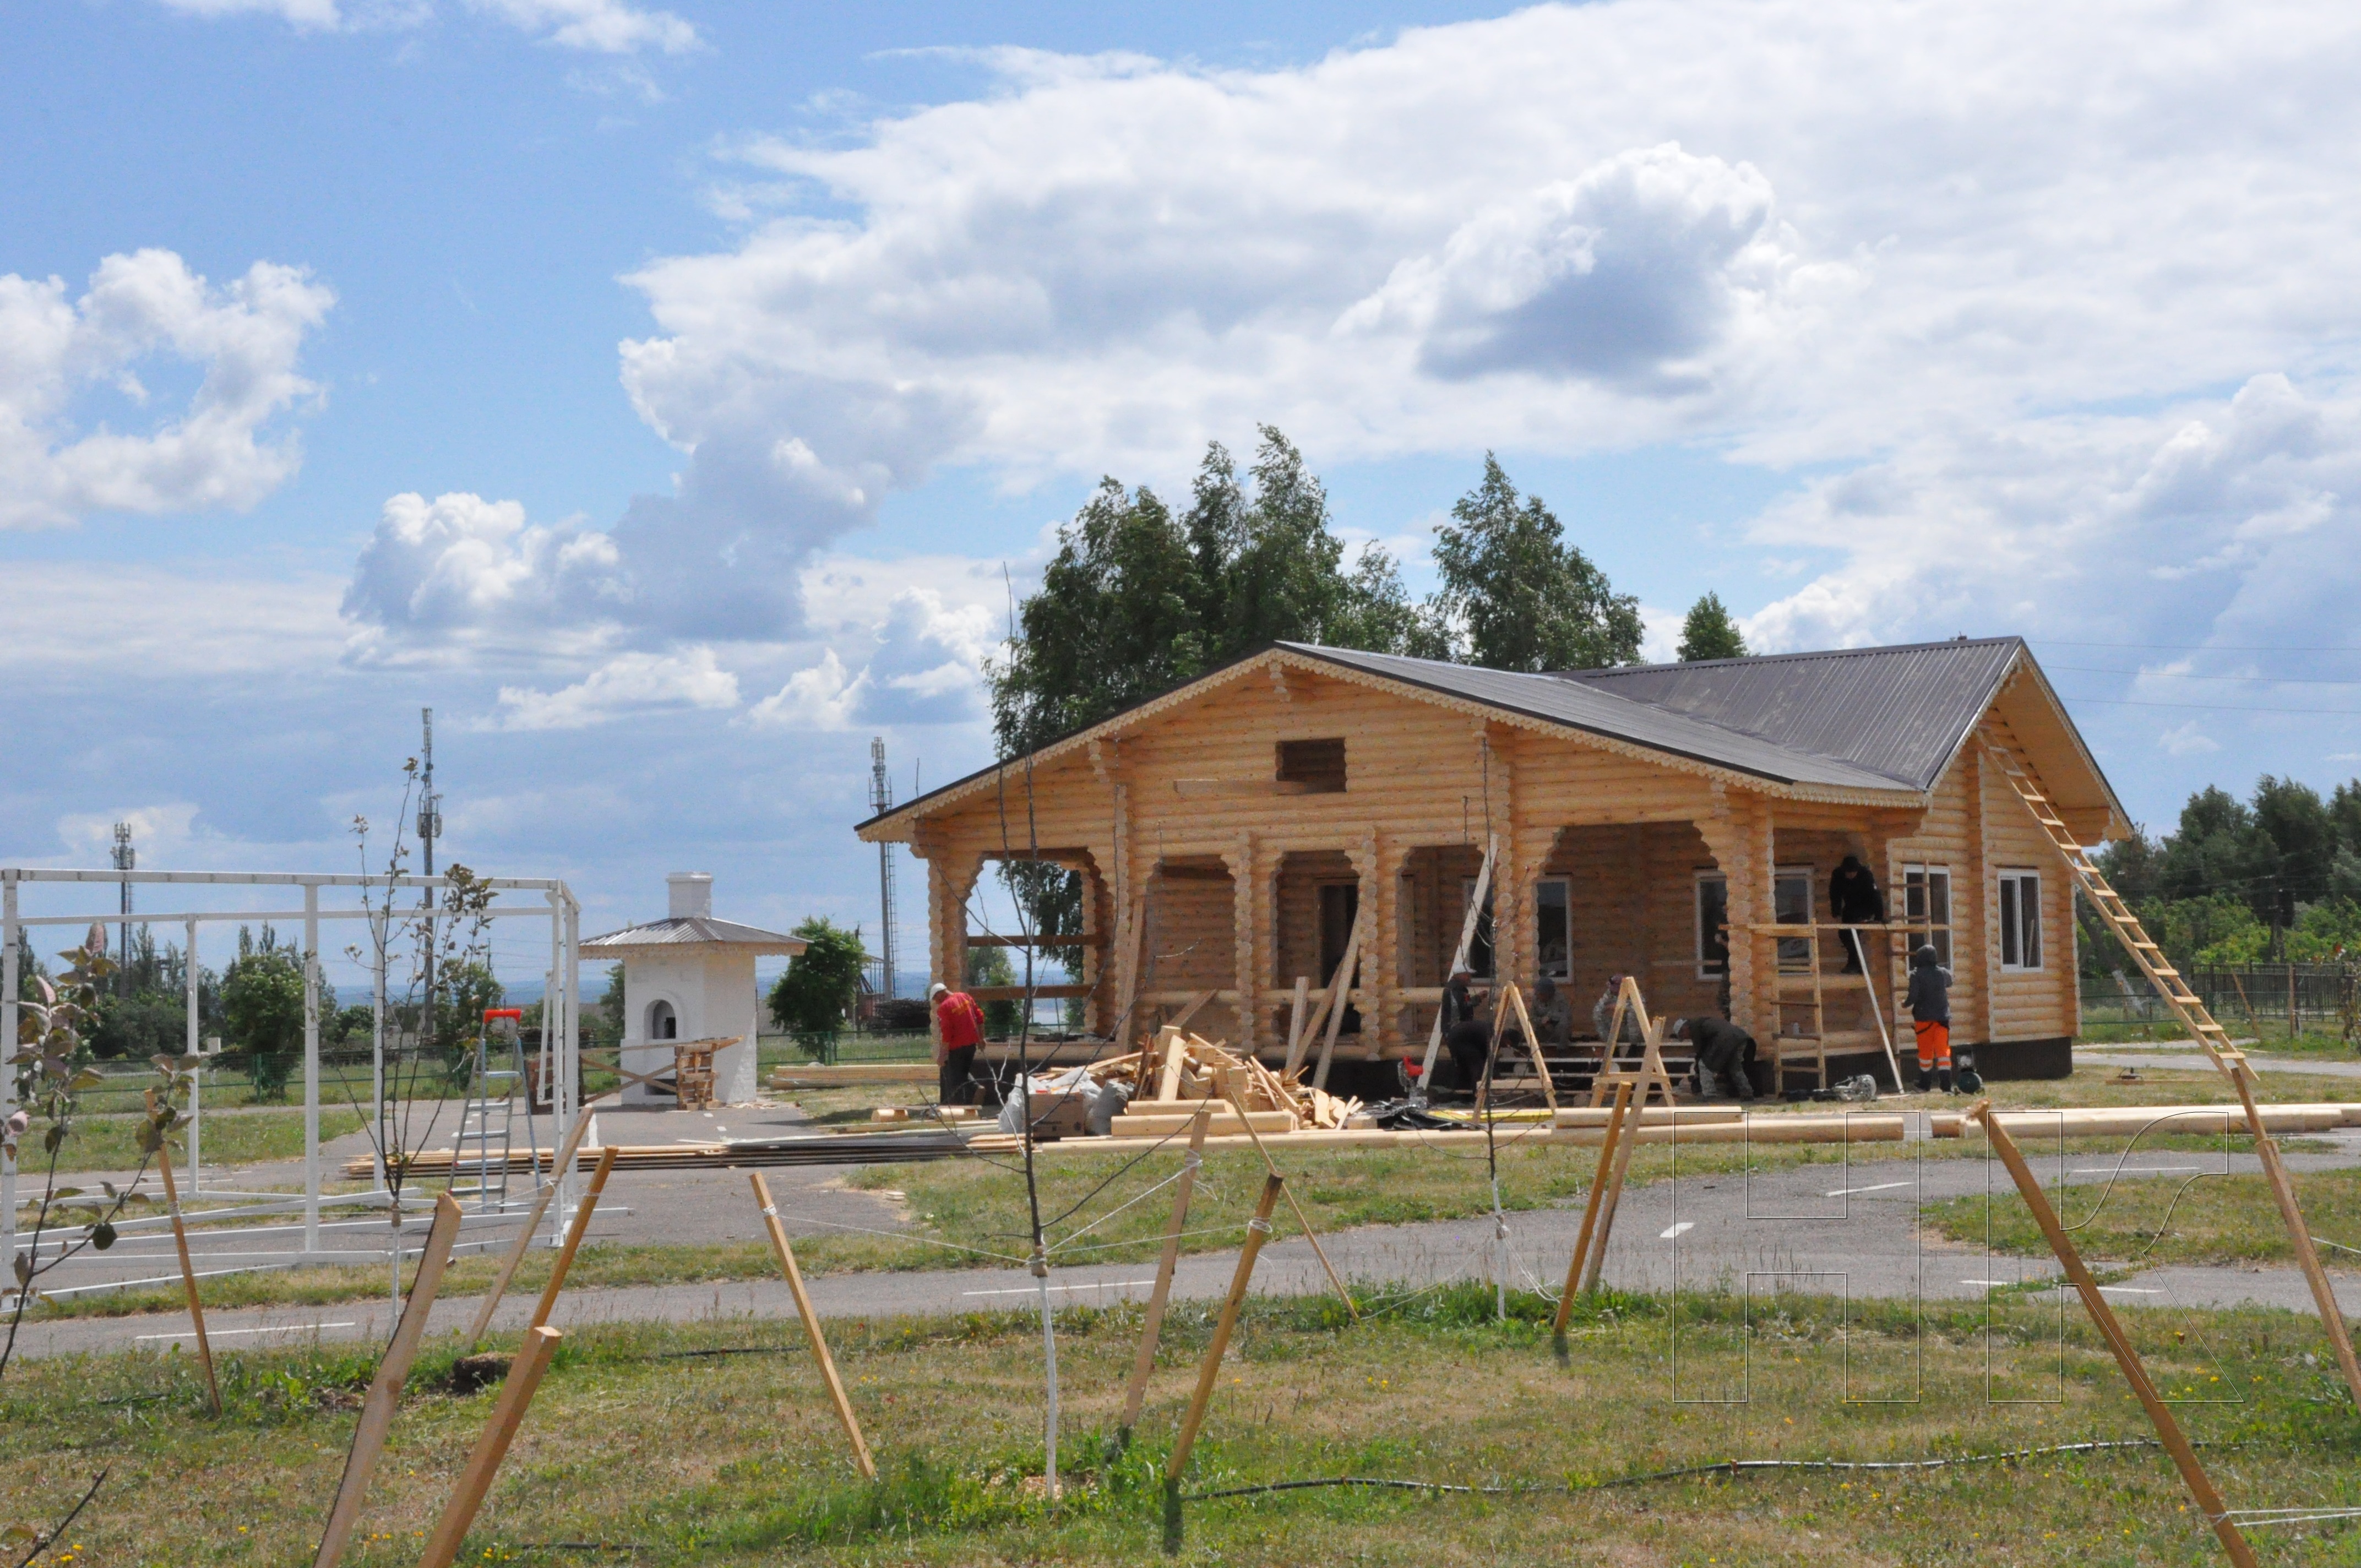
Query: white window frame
[
  {"x": 1795, "y": 952},
  {"x": 1564, "y": 885},
  {"x": 2016, "y": 895},
  {"x": 1924, "y": 917}
]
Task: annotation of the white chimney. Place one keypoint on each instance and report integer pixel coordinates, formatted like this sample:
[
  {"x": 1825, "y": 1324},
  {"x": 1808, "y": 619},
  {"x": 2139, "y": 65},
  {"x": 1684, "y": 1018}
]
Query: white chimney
[{"x": 691, "y": 892}]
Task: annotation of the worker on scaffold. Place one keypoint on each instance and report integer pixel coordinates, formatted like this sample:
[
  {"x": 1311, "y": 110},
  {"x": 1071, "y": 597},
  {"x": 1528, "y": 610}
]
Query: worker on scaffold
[{"x": 1931, "y": 1010}]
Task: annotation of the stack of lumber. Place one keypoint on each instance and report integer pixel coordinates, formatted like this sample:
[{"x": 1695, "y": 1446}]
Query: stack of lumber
[
  {"x": 814, "y": 1075},
  {"x": 1184, "y": 1074},
  {"x": 840, "y": 1148}
]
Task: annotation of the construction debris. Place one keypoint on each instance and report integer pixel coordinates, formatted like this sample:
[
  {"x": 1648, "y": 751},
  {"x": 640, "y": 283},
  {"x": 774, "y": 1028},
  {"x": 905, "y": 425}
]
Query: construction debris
[{"x": 1180, "y": 1076}]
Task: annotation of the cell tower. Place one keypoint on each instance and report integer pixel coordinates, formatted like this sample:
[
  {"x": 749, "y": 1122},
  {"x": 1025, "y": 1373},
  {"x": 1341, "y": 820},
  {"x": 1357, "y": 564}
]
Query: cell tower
[
  {"x": 125, "y": 859},
  {"x": 881, "y": 799}
]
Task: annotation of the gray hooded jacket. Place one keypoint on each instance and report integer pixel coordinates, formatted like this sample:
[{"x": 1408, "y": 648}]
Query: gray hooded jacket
[{"x": 1930, "y": 987}]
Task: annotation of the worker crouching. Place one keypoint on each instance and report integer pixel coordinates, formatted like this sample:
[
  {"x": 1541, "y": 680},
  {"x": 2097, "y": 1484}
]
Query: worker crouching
[{"x": 1725, "y": 1056}]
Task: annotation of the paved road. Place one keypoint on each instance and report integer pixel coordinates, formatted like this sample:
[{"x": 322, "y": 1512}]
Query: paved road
[
  {"x": 2186, "y": 1054},
  {"x": 1821, "y": 1229}
]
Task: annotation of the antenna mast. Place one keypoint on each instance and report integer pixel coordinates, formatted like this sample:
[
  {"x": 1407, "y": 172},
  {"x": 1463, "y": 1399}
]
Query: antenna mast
[
  {"x": 125, "y": 859},
  {"x": 881, "y": 799}
]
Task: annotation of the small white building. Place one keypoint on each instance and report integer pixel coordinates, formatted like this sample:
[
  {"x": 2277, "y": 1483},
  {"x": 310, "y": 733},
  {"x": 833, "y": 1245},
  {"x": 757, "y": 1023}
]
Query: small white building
[{"x": 688, "y": 977}]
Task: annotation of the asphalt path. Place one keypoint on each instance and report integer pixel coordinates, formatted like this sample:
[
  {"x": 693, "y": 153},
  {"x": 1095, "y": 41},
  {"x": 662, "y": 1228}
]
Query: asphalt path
[{"x": 1849, "y": 1230}]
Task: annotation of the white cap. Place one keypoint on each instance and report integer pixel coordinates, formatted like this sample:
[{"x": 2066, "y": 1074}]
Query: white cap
[{"x": 938, "y": 988}]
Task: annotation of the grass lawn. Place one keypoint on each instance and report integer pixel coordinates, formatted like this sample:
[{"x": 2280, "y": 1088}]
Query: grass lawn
[
  {"x": 645, "y": 1443},
  {"x": 2203, "y": 1220},
  {"x": 238, "y": 1136}
]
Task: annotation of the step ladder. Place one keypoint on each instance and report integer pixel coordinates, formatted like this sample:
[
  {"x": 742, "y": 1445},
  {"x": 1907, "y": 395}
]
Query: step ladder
[
  {"x": 487, "y": 1140},
  {"x": 2192, "y": 1011}
]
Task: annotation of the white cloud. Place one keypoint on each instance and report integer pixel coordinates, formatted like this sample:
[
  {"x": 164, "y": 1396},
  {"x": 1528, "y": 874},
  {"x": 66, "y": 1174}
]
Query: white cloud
[
  {"x": 825, "y": 696},
  {"x": 2187, "y": 741},
  {"x": 82, "y": 620},
  {"x": 59, "y": 355},
  {"x": 162, "y": 834},
  {"x": 460, "y": 563},
  {"x": 601, "y": 26},
  {"x": 607, "y": 27},
  {"x": 627, "y": 684}
]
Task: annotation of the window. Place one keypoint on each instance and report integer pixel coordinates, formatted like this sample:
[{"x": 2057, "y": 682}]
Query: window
[
  {"x": 1927, "y": 904},
  {"x": 1791, "y": 904},
  {"x": 662, "y": 1023},
  {"x": 1312, "y": 767},
  {"x": 2020, "y": 920},
  {"x": 1553, "y": 929},
  {"x": 1479, "y": 950},
  {"x": 1791, "y": 895},
  {"x": 1712, "y": 923}
]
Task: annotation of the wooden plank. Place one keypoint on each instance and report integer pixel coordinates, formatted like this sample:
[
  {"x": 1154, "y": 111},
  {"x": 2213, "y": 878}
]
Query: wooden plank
[
  {"x": 517, "y": 1249},
  {"x": 2159, "y": 1414},
  {"x": 574, "y": 1235},
  {"x": 1227, "y": 1118},
  {"x": 476, "y": 1479},
  {"x": 1208, "y": 1371},
  {"x": 1574, "y": 1265},
  {"x": 1597, "y": 1260},
  {"x": 1295, "y": 1022},
  {"x": 1143, "y": 1363},
  {"x": 1019, "y": 993},
  {"x": 385, "y": 1389},
  {"x": 1070, "y": 939},
  {"x": 188, "y": 1269},
  {"x": 1460, "y": 954},
  {"x": 1339, "y": 984},
  {"x": 836, "y": 1395}
]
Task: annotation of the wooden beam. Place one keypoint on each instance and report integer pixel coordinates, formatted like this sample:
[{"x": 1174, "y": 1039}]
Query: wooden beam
[
  {"x": 1075, "y": 940},
  {"x": 1143, "y": 1363},
  {"x": 836, "y": 1395},
  {"x": 188, "y": 1270},
  {"x": 574, "y": 1235},
  {"x": 385, "y": 1389},
  {"x": 517, "y": 1249},
  {"x": 2159, "y": 1414},
  {"x": 476, "y": 1480},
  {"x": 1208, "y": 1371}
]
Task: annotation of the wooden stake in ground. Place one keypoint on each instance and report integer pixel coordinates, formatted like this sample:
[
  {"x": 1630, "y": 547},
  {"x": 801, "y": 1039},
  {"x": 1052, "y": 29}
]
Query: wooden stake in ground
[
  {"x": 188, "y": 1270},
  {"x": 385, "y": 1389},
  {"x": 786, "y": 1256},
  {"x": 1311, "y": 1236},
  {"x": 1210, "y": 1372},
  {"x": 574, "y": 1234},
  {"x": 1613, "y": 1196},
  {"x": 563, "y": 1163},
  {"x": 1136, "y": 1393},
  {"x": 1606, "y": 1152},
  {"x": 476, "y": 1480},
  {"x": 2103, "y": 1317}
]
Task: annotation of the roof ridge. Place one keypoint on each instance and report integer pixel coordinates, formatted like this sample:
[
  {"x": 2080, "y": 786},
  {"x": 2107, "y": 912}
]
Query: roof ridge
[{"x": 1793, "y": 657}]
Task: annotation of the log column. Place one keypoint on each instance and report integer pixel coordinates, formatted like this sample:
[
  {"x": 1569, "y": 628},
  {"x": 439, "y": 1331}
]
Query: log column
[
  {"x": 1368, "y": 867},
  {"x": 1381, "y": 965},
  {"x": 1738, "y": 834},
  {"x": 950, "y": 877},
  {"x": 1248, "y": 899}
]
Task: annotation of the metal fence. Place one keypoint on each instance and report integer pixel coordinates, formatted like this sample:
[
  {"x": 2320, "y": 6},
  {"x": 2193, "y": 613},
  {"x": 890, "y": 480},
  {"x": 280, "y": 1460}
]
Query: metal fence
[{"x": 2275, "y": 997}]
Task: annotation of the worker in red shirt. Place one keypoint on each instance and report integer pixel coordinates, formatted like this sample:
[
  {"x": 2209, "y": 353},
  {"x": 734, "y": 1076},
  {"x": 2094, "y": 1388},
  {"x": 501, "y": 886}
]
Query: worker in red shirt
[{"x": 959, "y": 1031}]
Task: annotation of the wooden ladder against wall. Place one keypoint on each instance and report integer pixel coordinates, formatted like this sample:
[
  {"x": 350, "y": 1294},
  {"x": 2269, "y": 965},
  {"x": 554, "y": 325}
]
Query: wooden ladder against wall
[{"x": 2191, "y": 1009}]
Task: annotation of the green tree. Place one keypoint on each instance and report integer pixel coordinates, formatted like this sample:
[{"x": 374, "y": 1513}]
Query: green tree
[
  {"x": 1710, "y": 634},
  {"x": 1515, "y": 595},
  {"x": 2302, "y": 836},
  {"x": 262, "y": 1002},
  {"x": 820, "y": 986},
  {"x": 991, "y": 966}
]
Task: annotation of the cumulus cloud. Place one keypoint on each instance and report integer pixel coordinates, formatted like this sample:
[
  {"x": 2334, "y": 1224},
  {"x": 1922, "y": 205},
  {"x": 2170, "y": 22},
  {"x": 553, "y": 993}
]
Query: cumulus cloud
[
  {"x": 2187, "y": 741},
  {"x": 627, "y": 684},
  {"x": 601, "y": 26},
  {"x": 460, "y": 562},
  {"x": 825, "y": 696},
  {"x": 60, "y": 461}
]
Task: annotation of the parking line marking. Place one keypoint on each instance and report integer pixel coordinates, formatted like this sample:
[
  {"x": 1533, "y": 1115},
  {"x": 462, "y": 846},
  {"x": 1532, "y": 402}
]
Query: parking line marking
[{"x": 1676, "y": 1230}]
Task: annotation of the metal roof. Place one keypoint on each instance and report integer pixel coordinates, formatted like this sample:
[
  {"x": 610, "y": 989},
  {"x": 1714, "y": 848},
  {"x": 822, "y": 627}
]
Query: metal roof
[
  {"x": 695, "y": 930},
  {"x": 1611, "y": 712},
  {"x": 1899, "y": 713}
]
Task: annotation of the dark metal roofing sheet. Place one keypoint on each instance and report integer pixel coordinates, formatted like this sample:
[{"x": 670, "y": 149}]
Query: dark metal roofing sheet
[
  {"x": 1627, "y": 717},
  {"x": 1897, "y": 712},
  {"x": 695, "y": 930}
]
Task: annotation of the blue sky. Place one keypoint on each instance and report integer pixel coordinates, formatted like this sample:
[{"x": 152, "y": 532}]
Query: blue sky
[{"x": 658, "y": 392}]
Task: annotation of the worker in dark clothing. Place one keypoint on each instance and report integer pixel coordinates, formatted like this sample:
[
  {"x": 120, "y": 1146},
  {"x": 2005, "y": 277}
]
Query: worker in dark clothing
[
  {"x": 1725, "y": 1055},
  {"x": 1553, "y": 1015},
  {"x": 1855, "y": 900},
  {"x": 1465, "y": 1030},
  {"x": 1931, "y": 1010}
]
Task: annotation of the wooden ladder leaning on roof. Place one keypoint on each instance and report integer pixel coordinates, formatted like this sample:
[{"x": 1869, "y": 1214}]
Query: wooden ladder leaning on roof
[{"x": 2192, "y": 1011}]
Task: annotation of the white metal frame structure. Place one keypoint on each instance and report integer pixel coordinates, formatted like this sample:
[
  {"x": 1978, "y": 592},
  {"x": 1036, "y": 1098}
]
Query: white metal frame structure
[{"x": 560, "y": 1048}]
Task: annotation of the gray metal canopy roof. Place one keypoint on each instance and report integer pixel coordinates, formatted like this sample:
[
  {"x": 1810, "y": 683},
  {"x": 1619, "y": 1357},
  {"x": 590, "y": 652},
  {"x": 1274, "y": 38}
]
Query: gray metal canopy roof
[
  {"x": 695, "y": 930},
  {"x": 1898, "y": 712},
  {"x": 1574, "y": 702}
]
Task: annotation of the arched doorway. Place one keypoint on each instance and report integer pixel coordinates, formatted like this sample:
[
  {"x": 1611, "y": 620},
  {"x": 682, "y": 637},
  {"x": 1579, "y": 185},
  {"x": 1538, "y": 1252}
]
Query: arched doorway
[{"x": 662, "y": 1023}]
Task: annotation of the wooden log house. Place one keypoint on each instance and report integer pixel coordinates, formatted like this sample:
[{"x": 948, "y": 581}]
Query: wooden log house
[{"x": 1676, "y": 822}]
